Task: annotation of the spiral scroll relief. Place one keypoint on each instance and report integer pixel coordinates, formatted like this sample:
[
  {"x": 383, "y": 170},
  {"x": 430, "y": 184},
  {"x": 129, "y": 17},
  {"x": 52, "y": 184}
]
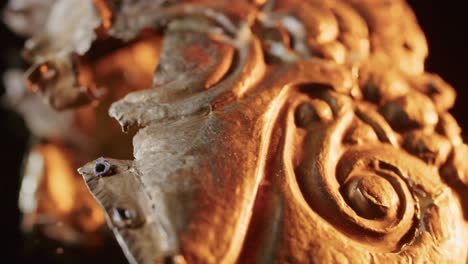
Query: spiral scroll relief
[{"x": 347, "y": 166}]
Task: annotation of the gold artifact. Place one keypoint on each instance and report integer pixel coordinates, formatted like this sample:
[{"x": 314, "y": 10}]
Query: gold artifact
[{"x": 274, "y": 131}]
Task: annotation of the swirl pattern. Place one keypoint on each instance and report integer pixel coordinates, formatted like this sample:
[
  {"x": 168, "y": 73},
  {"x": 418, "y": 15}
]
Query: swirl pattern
[{"x": 346, "y": 168}]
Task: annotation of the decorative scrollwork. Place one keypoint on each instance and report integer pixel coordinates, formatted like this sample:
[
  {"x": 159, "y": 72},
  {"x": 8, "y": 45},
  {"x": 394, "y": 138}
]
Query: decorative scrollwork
[{"x": 288, "y": 131}]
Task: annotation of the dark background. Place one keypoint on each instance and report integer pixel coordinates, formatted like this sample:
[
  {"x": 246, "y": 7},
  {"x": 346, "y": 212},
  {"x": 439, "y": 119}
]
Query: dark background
[{"x": 444, "y": 23}]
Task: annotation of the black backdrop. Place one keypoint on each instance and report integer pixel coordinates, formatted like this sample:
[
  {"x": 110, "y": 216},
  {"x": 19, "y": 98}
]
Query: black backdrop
[{"x": 444, "y": 23}]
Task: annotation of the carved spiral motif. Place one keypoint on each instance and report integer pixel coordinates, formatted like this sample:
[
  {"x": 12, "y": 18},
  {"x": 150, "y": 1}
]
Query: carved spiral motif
[
  {"x": 363, "y": 196},
  {"x": 378, "y": 200},
  {"x": 371, "y": 191}
]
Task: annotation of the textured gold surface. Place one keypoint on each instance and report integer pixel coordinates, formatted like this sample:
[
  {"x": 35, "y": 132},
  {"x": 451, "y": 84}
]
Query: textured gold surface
[{"x": 275, "y": 131}]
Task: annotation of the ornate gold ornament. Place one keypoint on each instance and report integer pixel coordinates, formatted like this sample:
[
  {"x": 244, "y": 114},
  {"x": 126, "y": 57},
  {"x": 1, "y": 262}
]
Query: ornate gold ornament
[{"x": 274, "y": 131}]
